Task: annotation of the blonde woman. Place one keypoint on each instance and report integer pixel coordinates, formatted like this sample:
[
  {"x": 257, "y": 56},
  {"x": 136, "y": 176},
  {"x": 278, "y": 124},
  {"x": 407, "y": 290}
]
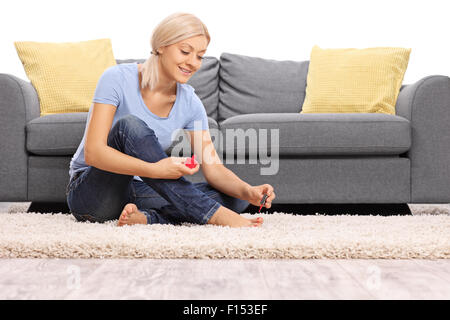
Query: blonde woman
[{"x": 120, "y": 170}]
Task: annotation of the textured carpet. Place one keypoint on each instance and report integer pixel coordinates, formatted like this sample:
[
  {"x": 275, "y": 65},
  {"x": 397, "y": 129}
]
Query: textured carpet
[{"x": 423, "y": 235}]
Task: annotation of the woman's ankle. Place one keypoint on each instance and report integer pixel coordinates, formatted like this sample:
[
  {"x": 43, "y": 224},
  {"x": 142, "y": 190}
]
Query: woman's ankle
[{"x": 226, "y": 217}]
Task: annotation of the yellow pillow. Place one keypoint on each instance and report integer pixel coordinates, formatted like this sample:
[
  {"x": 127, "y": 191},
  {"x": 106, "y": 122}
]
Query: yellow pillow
[
  {"x": 65, "y": 75},
  {"x": 355, "y": 80}
]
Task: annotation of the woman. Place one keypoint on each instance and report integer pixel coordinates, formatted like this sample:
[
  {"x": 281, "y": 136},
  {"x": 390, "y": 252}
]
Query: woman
[{"x": 120, "y": 170}]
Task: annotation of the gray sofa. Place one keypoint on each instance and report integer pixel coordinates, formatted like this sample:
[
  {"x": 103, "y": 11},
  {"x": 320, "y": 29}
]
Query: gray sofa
[{"x": 323, "y": 158}]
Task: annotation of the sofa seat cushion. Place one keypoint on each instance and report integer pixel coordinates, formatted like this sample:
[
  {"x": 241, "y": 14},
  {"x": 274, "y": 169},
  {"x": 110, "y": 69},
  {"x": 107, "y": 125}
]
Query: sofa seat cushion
[
  {"x": 318, "y": 134},
  {"x": 60, "y": 134},
  {"x": 56, "y": 134}
]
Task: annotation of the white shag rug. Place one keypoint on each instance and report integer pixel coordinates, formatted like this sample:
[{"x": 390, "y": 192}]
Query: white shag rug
[{"x": 424, "y": 235}]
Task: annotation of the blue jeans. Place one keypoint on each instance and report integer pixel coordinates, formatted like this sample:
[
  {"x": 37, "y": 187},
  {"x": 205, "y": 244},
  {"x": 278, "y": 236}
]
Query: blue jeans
[{"x": 96, "y": 195}]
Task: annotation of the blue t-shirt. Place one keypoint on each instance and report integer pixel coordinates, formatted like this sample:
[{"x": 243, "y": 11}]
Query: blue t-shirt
[{"x": 119, "y": 86}]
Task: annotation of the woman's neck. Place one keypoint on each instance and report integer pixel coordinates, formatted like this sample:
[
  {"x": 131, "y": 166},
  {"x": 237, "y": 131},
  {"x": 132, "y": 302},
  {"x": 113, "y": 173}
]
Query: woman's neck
[{"x": 165, "y": 88}]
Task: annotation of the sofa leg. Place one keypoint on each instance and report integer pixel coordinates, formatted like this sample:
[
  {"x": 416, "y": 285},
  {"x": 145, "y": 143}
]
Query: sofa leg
[
  {"x": 382, "y": 209},
  {"x": 49, "y": 207}
]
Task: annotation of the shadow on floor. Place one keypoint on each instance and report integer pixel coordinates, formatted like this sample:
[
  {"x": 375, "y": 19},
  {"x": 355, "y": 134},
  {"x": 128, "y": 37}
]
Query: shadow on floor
[{"x": 384, "y": 209}]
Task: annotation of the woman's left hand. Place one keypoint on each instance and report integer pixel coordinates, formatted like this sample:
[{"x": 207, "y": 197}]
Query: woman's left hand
[{"x": 256, "y": 193}]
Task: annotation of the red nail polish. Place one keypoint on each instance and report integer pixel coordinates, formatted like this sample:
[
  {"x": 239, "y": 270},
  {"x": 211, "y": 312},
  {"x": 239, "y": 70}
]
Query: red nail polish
[{"x": 191, "y": 163}]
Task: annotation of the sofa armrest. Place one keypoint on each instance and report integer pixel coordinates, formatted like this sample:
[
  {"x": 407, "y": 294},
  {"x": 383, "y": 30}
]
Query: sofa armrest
[
  {"x": 426, "y": 104},
  {"x": 19, "y": 103}
]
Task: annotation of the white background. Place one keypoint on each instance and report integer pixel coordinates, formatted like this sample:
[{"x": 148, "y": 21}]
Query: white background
[{"x": 280, "y": 30}]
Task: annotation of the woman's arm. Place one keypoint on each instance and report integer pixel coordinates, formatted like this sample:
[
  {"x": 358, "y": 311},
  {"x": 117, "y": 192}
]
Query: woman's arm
[
  {"x": 215, "y": 173},
  {"x": 223, "y": 179},
  {"x": 98, "y": 154}
]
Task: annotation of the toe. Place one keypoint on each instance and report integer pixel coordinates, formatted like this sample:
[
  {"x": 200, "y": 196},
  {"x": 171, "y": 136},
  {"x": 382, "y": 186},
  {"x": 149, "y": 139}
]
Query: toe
[
  {"x": 124, "y": 215},
  {"x": 130, "y": 207}
]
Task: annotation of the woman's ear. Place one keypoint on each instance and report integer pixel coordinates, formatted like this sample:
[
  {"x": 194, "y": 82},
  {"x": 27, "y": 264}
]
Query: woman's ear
[{"x": 160, "y": 50}]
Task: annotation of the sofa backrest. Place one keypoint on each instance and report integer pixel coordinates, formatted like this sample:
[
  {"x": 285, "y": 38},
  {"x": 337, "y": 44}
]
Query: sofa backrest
[
  {"x": 257, "y": 85},
  {"x": 238, "y": 84},
  {"x": 206, "y": 84}
]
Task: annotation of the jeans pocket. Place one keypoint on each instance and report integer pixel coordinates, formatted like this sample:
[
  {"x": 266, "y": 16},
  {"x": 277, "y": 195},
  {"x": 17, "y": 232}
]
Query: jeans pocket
[
  {"x": 71, "y": 185},
  {"x": 72, "y": 196}
]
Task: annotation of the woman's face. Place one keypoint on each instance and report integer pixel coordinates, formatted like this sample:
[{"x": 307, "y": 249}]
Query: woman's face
[{"x": 186, "y": 54}]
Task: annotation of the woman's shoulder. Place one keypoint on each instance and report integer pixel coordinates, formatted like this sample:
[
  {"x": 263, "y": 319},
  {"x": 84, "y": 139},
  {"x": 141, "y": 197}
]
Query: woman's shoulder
[
  {"x": 121, "y": 68},
  {"x": 194, "y": 103},
  {"x": 190, "y": 95},
  {"x": 187, "y": 88},
  {"x": 125, "y": 68},
  {"x": 188, "y": 91},
  {"x": 112, "y": 72},
  {"x": 119, "y": 72}
]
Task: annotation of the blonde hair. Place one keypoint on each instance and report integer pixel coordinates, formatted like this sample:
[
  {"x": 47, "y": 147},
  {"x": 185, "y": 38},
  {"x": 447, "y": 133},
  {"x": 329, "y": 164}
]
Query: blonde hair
[{"x": 174, "y": 28}]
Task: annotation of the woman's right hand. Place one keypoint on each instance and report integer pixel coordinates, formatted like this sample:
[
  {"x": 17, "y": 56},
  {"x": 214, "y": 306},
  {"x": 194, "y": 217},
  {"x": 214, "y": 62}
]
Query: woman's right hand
[{"x": 173, "y": 168}]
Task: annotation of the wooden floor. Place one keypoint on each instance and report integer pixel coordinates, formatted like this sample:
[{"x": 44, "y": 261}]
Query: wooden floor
[{"x": 223, "y": 279}]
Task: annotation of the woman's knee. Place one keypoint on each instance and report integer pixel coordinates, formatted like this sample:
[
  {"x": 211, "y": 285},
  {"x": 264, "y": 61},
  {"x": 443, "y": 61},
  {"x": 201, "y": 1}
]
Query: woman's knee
[
  {"x": 128, "y": 128},
  {"x": 134, "y": 123}
]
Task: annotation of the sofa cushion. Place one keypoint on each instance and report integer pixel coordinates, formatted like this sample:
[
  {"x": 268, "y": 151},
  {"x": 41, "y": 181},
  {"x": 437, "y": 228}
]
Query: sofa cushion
[
  {"x": 65, "y": 74},
  {"x": 60, "y": 134},
  {"x": 355, "y": 80},
  {"x": 55, "y": 134},
  {"x": 320, "y": 134},
  {"x": 254, "y": 85},
  {"x": 206, "y": 84}
]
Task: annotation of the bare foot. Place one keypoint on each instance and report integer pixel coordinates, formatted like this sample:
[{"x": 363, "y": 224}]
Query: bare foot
[
  {"x": 131, "y": 215},
  {"x": 227, "y": 217},
  {"x": 259, "y": 221}
]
